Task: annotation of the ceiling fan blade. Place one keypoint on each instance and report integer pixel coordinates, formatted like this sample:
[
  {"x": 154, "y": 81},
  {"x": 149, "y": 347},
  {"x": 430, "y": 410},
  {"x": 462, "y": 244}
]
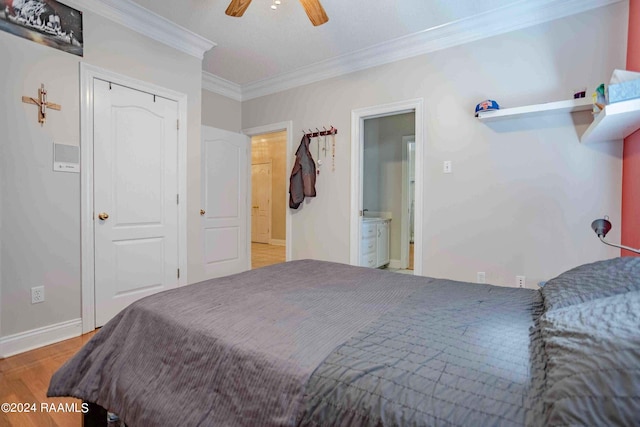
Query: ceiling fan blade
[
  {"x": 237, "y": 7},
  {"x": 315, "y": 12}
]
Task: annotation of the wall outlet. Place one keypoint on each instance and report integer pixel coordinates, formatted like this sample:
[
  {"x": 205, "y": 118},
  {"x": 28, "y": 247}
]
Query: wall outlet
[
  {"x": 520, "y": 282},
  {"x": 481, "y": 277},
  {"x": 37, "y": 294}
]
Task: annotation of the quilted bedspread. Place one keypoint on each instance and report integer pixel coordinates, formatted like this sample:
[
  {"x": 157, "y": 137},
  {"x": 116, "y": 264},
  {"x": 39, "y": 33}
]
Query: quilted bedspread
[
  {"x": 316, "y": 343},
  {"x": 450, "y": 354}
]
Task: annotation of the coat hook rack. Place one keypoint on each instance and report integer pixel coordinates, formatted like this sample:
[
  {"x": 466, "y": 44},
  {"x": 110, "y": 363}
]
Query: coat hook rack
[
  {"x": 42, "y": 103},
  {"x": 326, "y": 132},
  {"x": 310, "y": 134}
]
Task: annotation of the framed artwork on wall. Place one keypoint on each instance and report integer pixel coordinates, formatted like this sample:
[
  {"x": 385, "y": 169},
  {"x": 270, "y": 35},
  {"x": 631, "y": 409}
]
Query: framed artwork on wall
[{"x": 47, "y": 22}]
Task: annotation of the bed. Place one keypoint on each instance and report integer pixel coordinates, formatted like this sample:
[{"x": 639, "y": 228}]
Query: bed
[{"x": 318, "y": 343}]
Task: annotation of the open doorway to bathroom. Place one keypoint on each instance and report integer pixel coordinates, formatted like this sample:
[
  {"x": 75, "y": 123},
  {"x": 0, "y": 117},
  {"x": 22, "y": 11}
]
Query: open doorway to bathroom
[
  {"x": 387, "y": 186},
  {"x": 268, "y": 198},
  {"x": 388, "y": 190}
]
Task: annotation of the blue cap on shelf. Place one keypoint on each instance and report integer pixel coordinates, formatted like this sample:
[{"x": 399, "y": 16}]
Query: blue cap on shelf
[{"x": 487, "y": 105}]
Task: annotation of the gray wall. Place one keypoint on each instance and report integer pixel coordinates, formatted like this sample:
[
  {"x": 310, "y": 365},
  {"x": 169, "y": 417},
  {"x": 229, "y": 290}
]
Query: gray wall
[
  {"x": 382, "y": 170},
  {"x": 40, "y": 209},
  {"x": 221, "y": 112},
  {"x": 523, "y": 194}
]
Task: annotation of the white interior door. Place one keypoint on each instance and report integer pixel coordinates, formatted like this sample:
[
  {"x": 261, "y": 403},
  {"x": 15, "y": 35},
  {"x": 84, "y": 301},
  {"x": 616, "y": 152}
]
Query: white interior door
[
  {"x": 261, "y": 202},
  {"x": 225, "y": 171},
  {"x": 135, "y": 196}
]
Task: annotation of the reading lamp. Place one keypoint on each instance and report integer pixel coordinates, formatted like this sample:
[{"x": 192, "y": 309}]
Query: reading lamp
[{"x": 602, "y": 227}]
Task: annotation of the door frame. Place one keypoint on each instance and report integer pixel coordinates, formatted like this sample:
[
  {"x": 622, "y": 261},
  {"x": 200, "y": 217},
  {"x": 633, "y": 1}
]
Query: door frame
[
  {"x": 270, "y": 163},
  {"x": 406, "y": 202},
  {"x": 87, "y": 242},
  {"x": 358, "y": 117},
  {"x": 270, "y": 128}
]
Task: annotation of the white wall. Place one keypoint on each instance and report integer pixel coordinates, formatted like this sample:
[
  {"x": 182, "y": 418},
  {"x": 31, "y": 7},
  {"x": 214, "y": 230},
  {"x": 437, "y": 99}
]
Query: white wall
[
  {"x": 40, "y": 209},
  {"x": 523, "y": 194}
]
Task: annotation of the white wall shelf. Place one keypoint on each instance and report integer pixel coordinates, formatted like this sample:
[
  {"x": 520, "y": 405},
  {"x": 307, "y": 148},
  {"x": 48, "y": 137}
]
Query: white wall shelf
[
  {"x": 615, "y": 122},
  {"x": 568, "y": 106}
]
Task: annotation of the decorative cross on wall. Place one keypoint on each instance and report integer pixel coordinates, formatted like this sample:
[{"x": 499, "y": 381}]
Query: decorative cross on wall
[{"x": 42, "y": 103}]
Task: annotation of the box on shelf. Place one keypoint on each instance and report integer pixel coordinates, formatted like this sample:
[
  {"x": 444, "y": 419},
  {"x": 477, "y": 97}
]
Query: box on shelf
[{"x": 624, "y": 85}]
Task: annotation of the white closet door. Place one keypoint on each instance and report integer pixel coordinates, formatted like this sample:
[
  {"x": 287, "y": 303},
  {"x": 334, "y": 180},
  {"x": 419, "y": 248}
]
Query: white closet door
[{"x": 135, "y": 196}]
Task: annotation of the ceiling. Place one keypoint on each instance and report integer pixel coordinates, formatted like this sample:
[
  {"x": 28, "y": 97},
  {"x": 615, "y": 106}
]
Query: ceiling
[
  {"x": 267, "y": 51},
  {"x": 265, "y": 43}
]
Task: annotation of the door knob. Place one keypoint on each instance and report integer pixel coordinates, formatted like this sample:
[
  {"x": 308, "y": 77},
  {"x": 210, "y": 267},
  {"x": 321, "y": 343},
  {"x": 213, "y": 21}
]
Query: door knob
[
  {"x": 103, "y": 215},
  {"x": 202, "y": 212}
]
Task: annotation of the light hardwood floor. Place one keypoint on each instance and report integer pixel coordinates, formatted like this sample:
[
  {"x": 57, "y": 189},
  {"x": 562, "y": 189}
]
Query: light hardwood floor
[
  {"x": 410, "y": 267},
  {"x": 263, "y": 254},
  {"x": 24, "y": 378}
]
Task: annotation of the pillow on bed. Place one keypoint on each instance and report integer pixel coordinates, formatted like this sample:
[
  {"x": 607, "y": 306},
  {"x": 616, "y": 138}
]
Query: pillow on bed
[
  {"x": 593, "y": 362},
  {"x": 592, "y": 281}
]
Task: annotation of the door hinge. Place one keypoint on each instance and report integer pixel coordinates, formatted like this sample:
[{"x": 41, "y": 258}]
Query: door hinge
[
  {"x": 177, "y": 199},
  {"x": 178, "y": 273},
  {"x": 178, "y": 124}
]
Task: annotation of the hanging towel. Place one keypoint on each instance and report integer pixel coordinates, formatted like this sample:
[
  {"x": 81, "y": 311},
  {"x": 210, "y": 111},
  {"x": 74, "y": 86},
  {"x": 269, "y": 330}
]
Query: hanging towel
[{"x": 303, "y": 176}]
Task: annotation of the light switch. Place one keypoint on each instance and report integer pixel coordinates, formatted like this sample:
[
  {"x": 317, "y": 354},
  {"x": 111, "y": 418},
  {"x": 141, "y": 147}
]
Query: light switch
[{"x": 446, "y": 166}]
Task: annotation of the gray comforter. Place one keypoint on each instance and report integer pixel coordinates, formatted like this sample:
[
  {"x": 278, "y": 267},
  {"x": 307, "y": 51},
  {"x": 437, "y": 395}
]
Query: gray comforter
[{"x": 316, "y": 343}]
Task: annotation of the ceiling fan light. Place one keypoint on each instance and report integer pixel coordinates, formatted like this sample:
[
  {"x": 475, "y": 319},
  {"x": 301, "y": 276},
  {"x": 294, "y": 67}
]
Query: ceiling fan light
[
  {"x": 274, "y": 7},
  {"x": 278, "y": 2}
]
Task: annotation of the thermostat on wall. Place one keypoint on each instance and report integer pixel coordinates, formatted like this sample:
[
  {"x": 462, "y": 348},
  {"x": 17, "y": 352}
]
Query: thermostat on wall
[{"x": 66, "y": 158}]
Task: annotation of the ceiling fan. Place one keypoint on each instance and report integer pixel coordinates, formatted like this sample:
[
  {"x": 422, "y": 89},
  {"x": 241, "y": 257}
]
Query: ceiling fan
[{"x": 314, "y": 10}]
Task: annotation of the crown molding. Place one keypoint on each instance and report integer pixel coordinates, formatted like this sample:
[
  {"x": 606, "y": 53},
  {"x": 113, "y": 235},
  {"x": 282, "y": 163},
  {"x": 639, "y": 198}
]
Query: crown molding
[
  {"x": 221, "y": 86},
  {"x": 513, "y": 17},
  {"x": 147, "y": 23}
]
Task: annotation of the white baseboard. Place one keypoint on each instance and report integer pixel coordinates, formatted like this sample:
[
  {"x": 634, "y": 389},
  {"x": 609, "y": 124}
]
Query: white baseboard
[
  {"x": 39, "y": 337},
  {"x": 278, "y": 242}
]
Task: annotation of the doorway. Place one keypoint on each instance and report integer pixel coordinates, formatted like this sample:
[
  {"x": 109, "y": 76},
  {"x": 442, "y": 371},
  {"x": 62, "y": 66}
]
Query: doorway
[
  {"x": 380, "y": 159},
  {"x": 269, "y": 186},
  {"x": 386, "y": 190}
]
